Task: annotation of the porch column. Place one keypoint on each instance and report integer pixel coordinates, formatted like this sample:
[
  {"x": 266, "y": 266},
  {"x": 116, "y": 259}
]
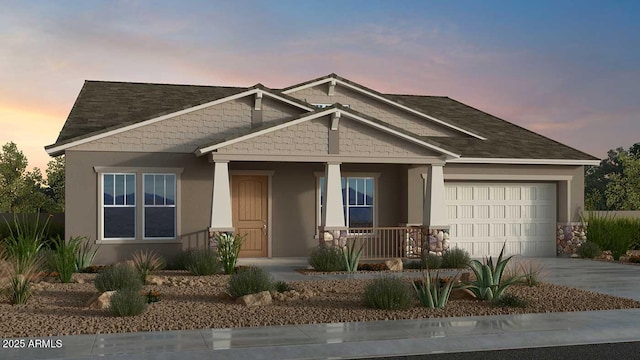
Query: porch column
[
  {"x": 435, "y": 212},
  {"x": 221, "y": 201},
  {"x": 332, "y": 206}
]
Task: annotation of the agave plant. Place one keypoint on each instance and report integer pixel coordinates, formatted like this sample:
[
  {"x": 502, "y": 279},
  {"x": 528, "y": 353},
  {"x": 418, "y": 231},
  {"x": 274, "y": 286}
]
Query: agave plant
[
  {"x": 488, "y": 284},
  {"x": 351, "y": 255},
  {"x": 430, "y": 291}
]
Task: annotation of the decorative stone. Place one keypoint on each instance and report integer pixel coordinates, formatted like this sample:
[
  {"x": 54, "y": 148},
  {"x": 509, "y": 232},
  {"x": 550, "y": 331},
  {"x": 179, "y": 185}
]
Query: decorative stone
[
  {"x": 440, "y": 236},
  {"x": 394, "y": 264},
  {"x": 100, "y": 301},
  {"x": 259, "y": 299},
  {"x": 155, "y": 280},
  {"x": 327, "y": 236}
]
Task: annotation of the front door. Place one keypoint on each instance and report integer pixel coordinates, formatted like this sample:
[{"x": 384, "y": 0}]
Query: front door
[{"x": 249, "y": 196}]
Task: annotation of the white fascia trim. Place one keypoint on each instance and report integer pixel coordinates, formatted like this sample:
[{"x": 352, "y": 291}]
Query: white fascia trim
[
  {"x": 208, "y": 149},
  {"x": 391, "y": 102},
  {"x": 465, "y": 160},
  {"x": 60, "y": 148},
  {"x": 505, "y": 177}
]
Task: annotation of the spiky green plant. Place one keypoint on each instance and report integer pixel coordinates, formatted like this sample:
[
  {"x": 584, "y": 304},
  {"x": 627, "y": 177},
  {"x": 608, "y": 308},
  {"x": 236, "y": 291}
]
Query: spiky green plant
[
  {"x": 26, "y": 238},
  {"x": 146, "y": 262},
  {"x": 85, "y": 253},
  {"x": 488, "y": 284},
  {"x": 431, "y": 292},
  {"x": 64, "y": 257},
  {"x": 229, "y": 249},
  {"x": 18, "y": 280},
  {"x": 352, "y": 255}
]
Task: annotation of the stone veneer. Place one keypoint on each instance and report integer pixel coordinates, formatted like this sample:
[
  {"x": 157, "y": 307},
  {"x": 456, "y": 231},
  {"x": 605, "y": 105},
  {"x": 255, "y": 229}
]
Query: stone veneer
[
  {"x": 437, "y": 241},
  {"x": 569, "y": 237},
  {"x": 213, "y": 244}
]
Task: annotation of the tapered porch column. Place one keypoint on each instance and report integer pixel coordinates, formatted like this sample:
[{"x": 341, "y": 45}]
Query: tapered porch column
[
  {"x": 332, "y": 206},
  {"x": 221, "y": 200},
  {"x": 435, "y": 212}
]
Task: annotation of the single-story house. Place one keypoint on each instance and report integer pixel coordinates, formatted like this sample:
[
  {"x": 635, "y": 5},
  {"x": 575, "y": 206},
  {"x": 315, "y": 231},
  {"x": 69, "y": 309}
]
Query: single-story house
[{"x": 165, "y": 167}]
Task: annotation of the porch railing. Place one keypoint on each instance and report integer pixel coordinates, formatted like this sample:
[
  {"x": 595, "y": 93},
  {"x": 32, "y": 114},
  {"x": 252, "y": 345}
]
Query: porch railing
[
  {"x": 195, "y": 240},
  {"x": 388, "y": 242}
]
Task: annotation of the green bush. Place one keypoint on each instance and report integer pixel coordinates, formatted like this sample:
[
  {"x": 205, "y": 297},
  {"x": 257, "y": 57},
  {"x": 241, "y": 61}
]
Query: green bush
[
  {"x": 121, "y": 277},
  {"x": 388, "y": 293},
  {"x": 146, "y": 262},
  {"x": 202, "y": 262},
  {"x": 327, "y": 258},
  {"x": 282, "y": 286},
  {"x": 63, "y": 258},
  {"x": 250, "y": 281},
  {"x": 455, "y": 258},
  {"x": 510, "y": 300},
  {"x": 127, "y": 302},
  {"x": 25, "y": 239},
  {"x": 412, "y": 264},
  {"x": 431, "y": 261},
  {"x": 611, "y": 233},
  {"x": 229, "y": 249},
  {"x": 589, "y": 250}
]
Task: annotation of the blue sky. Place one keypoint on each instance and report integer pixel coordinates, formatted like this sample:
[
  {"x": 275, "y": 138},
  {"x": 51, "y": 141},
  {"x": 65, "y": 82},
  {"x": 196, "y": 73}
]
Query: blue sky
[{"x": 566, "y": 69}]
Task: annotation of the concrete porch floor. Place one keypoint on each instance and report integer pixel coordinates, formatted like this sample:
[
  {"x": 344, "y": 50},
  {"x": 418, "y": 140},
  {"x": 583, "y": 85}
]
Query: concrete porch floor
[{"x": 380, "y": 338}]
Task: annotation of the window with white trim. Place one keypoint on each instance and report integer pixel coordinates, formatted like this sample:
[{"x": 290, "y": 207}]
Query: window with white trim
[
  {"x": 159, "y": 206},
  {"x": 119, "y": 206},
  {"x": 357, "y": 198}
]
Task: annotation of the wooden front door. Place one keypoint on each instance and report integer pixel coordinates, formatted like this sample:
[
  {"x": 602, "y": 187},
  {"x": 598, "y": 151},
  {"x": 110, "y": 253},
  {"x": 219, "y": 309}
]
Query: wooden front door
[{"x": 249, "y": 196}]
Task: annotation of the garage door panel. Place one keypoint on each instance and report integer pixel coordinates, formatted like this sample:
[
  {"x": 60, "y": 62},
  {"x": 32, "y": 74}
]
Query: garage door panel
[{"x": 483, "y": 215}]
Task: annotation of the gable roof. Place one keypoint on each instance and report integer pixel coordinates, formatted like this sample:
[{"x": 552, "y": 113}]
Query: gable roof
[{"x": 339, "y": 110}]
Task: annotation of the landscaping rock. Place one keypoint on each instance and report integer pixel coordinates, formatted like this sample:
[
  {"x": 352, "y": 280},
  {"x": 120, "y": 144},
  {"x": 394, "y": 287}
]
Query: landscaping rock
[
  {"x": 155, "y": 280},
  {"x": 100, "y": 301},
  {"x": 394, "y": 264},
  {"x": 461, "y": 294},
  {"x": 259, "y": 299}
]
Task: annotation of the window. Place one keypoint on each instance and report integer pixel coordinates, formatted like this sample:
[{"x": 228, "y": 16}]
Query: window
[
  {"x": 357, "y": 197},
  {"x": 159, "y": 206},
  {"x": 119, "y": 206},
  {"x": 323, "y": 106}
]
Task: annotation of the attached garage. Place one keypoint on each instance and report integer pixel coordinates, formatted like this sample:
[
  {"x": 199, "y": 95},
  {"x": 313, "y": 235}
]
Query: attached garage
[{"x": 483, "y": 215}]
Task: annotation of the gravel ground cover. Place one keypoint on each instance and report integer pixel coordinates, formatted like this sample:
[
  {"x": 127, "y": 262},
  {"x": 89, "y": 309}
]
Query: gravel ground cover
[{"x": 190, "y": 302}]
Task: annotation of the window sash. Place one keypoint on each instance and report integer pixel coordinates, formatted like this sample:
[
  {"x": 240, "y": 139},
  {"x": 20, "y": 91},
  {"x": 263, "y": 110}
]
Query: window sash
[
  {"x": 159, "y": 193},
  {"x": 118, "y": 192},
  {"x": 360, "y": 200}
]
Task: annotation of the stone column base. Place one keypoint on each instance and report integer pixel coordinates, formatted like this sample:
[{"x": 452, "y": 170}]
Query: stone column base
[
  {"x": 569, "y": 237},
  {"x": 213, "y": 233},
  {"x": 333, "y": 237},
  {"x": 437, "y": 241}
]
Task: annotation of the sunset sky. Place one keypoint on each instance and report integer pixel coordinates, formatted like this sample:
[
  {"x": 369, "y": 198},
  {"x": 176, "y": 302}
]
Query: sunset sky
[{"x": 569, "y": 70}]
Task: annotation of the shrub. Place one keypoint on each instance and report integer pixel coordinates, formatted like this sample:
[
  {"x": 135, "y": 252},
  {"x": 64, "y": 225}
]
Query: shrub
[
  {"x": 327, "y": 258},
  {"x": 488, "y": 284},
  {"x": 352, "y": 255},
  {"x": 127, "y": 302},
  {"x": 373, "y": 267},
  {"x": 282, "y": 286},
  {"x": 151, "y": 296},
  {"x": 250, "y": 281},
  {"x": 412, "y": 264},
  {"x": 121, "y": 277},
  {"x": 455, "y": 258},
  {"x": 179, "y": 262},
  {"x": 18, "y": 284},
  {"x": 202, "y": 262},
  {"x": 229, "y": 249},
  {"x": 611, "y": 233},
  {"x": 388, "y": 293},
  {"x": 146, "y": 262},
  {"x": 510, "y": 300},
  {"x": 85, "y": 252},
  {"x": 26, "y": 238},
  {"x": 589, "y": 250},
  {"x": 63, "y": 258},
  {"x": 431, "y": 292},
  {"x": 431, "y": 261},
  {"x": 532, "y": 272}
]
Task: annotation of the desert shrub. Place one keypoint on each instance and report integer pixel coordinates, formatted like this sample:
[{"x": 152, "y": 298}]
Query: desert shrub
[
  {"x": 229, "y": 249},
  {"x": 127, "y": 302},
  {"x": 611, "y": 233},
  {"x": 250, "y": 281},
  {"x": 455, "y": 258},
  {"x": 327, "y": 258},
  {"x": 388, "y": 293},
  {"x": 412, "y": 264},
  {"x": 16, "y": 285},
  {"x": 25, "y": 239},
  {"x": 510, "y": 300},
  {"x": 589, "y": 250},
  {"x": 373, "y": 267},
  {"x": 85, "y": 253},
  {"x": 431, "y": 261},
  {"x": 202, "y": 262},
  {"x": 179, "y": 261},
  {"x": 63, "y": 258},
  {"x": 282, "y": 286},
  {"x": 94, "y": 269},
  {"x": 146, "y": 262},
  {"x": 121, "y": 277}
]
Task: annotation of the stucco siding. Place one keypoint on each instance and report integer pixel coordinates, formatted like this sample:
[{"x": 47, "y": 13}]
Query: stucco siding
[
  {"x": 184, "y": 133},
  {"x": 361, "y": 140},
  {"x": 374, "y": 108}
]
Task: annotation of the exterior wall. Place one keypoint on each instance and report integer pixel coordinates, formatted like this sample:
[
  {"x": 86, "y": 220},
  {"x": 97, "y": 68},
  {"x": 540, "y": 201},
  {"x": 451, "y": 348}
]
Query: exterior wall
[
  {"x": 575, "y": 189},
  {"x": 373, "y": 107},
  {"x": 81, "y": 197},
  {"x": 357, "y": 139},
  {"x": 185, "y": 133}
]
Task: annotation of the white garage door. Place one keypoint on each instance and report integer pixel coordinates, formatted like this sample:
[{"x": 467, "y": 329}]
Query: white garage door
[{"x": 483, "y": 215}]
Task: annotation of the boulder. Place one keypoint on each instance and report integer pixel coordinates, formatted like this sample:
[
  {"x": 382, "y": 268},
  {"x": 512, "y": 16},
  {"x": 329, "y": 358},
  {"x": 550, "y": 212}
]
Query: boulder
[
  {"x": 394, "y": 264},
  {"x": 259, "y": 299},
  {"x": 155, "y": 280},
  {"x": 100, "y": 301}
]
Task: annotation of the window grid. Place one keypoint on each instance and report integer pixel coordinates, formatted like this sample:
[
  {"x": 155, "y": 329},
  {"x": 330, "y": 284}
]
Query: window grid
[
  {"x": 366, "y": 184},
  {"x": 111, "y": 182},
  {"x": 166, "y": 202}
]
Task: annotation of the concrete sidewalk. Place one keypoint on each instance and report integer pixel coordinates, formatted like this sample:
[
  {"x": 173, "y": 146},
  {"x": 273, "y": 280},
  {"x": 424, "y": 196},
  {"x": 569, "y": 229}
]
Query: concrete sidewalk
[{"x": 379, "y": 338}]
